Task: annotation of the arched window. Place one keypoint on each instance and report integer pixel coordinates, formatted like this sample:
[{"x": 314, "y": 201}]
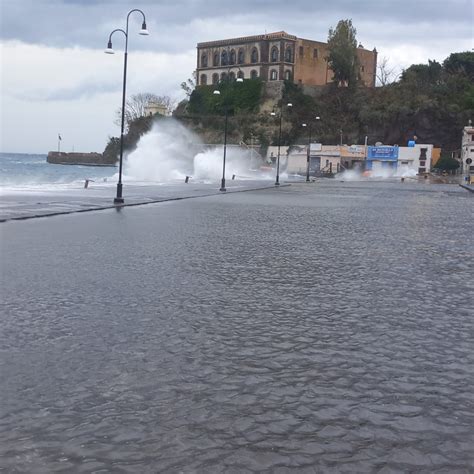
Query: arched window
[
  {"x": 224, "y": 58},
  {"x": 253, "y": 74},
  {"x": 273, "y": 75},
  {"x": 203, "y": 79},
  {"x": 224, "y": 76},
  {"x": 274, "y": 54},
  {"x": 287, "y": 75},
  {"x": 232, "y": 76},
  {"x": 254, "y": 56},
  {"x": 289, "y": 55},
  {"x": 240, "y": 74},
  {"x": 241, "y": 56},
  {"x": 232, "y": 57},
  {"x": 215, "y": 78},
  {"x": 204, "y": 60},
  {"x": 215, "y": 61}
]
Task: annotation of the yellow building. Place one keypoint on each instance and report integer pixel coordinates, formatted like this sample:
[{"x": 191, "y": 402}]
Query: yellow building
[{"x": 274, "y": 57}]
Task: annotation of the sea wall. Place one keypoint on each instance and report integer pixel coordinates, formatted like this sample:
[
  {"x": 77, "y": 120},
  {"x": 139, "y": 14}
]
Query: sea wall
[{"x": 89, "y": 159}]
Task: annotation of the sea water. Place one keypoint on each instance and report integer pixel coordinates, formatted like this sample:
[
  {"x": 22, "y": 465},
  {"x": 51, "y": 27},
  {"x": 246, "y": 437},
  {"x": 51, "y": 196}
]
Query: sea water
[{"x": 26, "y": 172}]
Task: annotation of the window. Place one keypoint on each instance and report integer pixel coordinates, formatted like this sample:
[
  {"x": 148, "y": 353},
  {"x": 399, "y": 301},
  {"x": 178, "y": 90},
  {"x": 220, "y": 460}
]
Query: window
[
  {"x": 232, "y": 57},
  {"x": 422, "y": 163},
  {"x": 287, "y": 75},
  {"x": 203, "y": 79},
  {"x": 274, "y": 55},
  {"x": 224, "y": 76},
  {"x": 362, "y": 68},
  {"x": 215, "y": 78},
  {"x": 241, "y": 57},
  {"x": 289, "y": 55},
  {"x": 240, "y": 74},
  {"x": 232, "y": 76},
  {"x": 273, "y": 75},
  {"x": 301, "y": 51},
  {"x": 254, "y": 56},
  {"x": 253, "y": 74},
  {"x": 204, "y": 60},
  {"x": 315, "y": 53},
  {"x": 224, "y": 58},
  {"x": 215, "y": 61}
]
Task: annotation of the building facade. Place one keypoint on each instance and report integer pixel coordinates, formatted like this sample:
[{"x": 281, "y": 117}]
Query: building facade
[
  {"x": 274, "y": 57},
  {"x": 467, "y": 150}
]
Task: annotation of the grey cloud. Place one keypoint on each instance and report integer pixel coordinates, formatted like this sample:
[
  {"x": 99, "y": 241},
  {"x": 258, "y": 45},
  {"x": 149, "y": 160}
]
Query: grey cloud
[
  {"x": 173, "y": 23},
  {"x": 84, "y": 90}
]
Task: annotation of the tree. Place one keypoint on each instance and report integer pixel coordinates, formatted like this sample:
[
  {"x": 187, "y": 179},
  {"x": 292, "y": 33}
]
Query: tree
[
  {"x": 135, "y": 106},
  {"x": 342, "y": 57},
  {"x": 386, "y": 74},
  {"x": 460, "y": 63},
  {"x": 189, "y": 85}
]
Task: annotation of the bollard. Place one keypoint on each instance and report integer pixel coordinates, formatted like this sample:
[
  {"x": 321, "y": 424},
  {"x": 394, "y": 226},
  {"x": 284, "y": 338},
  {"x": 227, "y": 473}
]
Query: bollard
[
  {"x": 187, "y": 179},
  {"x": 403, "y": 180},
  {"x": 233, "y": 176},
  {"x": 86, "y": 184}
]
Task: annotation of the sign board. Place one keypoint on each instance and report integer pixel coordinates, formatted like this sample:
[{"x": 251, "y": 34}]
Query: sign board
[
  {"x": 469, "y": 161},
  {"x": 389, "y": 153},
  {"x": 315, "y": 147}
]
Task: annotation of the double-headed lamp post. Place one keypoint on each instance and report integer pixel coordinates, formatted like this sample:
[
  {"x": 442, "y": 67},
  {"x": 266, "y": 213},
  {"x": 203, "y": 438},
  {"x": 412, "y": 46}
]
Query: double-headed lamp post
[
  {"x": 277, "y": 180},
  {"x": 226, "y": 111},
  {"x": 119, "y": 199},
  {"x": 308, "y": 152}
]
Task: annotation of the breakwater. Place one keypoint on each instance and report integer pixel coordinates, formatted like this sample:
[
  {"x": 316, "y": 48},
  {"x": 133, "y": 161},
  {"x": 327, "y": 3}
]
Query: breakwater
[{"x": 76, "y": 158}]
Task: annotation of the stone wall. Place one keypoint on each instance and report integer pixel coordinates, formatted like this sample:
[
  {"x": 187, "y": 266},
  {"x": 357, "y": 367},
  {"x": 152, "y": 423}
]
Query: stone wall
[{"x": 89, "y": 159}]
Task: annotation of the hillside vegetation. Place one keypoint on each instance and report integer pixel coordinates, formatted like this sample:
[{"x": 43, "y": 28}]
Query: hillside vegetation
[{"x": 430, "y": 101}]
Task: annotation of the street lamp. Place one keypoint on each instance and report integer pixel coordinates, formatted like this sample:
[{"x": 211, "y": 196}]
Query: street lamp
[
  {"x": 226, "y": 111},
  {"x": 308, "y": 152},
  {"x": 277, "y": 180},
  {"x": 119, "y": 199}
]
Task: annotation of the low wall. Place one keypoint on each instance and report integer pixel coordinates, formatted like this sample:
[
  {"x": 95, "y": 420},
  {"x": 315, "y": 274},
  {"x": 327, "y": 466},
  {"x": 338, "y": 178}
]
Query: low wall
[{"x": 88, "y": 159}]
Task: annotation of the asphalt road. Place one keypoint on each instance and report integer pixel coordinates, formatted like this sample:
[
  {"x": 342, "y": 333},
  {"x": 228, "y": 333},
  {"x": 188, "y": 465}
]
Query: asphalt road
[{"x": 303, "y": 329}]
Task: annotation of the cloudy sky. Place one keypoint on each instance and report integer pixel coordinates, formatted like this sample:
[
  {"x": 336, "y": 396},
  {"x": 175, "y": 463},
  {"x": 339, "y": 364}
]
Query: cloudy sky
[{"x": 56, "y": 78}]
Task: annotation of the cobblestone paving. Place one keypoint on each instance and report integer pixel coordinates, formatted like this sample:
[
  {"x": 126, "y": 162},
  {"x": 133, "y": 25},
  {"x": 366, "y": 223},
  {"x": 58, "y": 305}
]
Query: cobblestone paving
[{"x": 312, "y": 328}]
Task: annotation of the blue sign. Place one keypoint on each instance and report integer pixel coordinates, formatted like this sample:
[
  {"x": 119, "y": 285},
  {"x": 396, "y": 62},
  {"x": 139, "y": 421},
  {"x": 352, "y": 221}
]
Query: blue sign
[{"x": 382, "y": 153}]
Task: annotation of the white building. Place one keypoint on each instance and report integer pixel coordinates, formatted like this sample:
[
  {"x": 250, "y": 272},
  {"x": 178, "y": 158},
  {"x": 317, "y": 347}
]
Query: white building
[
  {"x": 416, "y": 158},
  {"x": 467, "y": 150}
]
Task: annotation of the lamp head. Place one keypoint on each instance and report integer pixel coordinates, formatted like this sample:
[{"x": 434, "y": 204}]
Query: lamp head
[
  {"x": 216, "y": 92},
  {"x": 109, "y": 49},
  {"x": 303, "y": 125},
  {"x": 143, "y": 31},
  {"x": 239, "y": 79},
  {"x": 318, "y": 118},
  {"x": 272, "y": 114},
  {"x": 289, "y": 104}
]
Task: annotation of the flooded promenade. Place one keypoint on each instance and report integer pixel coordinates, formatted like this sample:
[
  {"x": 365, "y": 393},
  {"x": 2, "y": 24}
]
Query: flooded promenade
[{"x": 323, "y": 327}]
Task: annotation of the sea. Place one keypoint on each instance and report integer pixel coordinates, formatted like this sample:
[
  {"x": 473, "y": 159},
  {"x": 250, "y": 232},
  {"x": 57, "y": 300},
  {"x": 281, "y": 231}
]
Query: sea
[{"x": 30, "y": 172}]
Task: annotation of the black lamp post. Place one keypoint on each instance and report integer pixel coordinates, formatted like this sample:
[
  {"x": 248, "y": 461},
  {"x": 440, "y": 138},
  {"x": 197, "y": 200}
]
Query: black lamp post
[
  {"x": 277, "y": 180},
  {"x": 226, "y": 111},
  {"x": 119, "y": 199},
  {"x": 308, "y": 153}
]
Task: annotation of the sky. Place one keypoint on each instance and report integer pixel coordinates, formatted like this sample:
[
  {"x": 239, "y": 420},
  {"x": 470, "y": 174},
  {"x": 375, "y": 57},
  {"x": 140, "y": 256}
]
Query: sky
[{"x": 55, "y": 77}]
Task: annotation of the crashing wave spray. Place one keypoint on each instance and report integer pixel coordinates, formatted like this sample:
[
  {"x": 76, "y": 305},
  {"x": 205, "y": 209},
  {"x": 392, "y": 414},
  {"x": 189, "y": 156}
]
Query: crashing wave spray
[
  {"x": 169, "y": 152},
  {"x": 165, "y": 153}
]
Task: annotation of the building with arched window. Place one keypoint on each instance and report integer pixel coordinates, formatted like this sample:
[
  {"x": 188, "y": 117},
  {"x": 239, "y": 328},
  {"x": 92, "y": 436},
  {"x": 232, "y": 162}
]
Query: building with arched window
[{"x": 293, "y": 59}]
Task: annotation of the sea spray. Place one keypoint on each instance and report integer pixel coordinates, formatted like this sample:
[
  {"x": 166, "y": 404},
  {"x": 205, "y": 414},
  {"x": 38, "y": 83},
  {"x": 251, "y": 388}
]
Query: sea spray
[
  {"x": 165, "y": 153},
  {"x": 170, "y": 152}
]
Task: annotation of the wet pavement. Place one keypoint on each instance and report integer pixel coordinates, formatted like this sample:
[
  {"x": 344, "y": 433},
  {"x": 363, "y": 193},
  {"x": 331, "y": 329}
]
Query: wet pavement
[
  {"x": 22, "y": 205},
  {"x": 322, "y": 327}
]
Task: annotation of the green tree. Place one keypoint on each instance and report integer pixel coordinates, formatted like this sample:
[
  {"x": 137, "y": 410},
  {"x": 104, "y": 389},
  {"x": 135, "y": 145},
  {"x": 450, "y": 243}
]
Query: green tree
[
  {"x": 460, "y": 63},
  {"x": 342, "y": 56}
]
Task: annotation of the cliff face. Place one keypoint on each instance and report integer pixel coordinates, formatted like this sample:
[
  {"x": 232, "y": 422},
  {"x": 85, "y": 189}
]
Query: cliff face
[{"x": 88, "y": 159}]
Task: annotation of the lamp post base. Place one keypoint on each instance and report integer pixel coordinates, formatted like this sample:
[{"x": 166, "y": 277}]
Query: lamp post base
[
  {"x": 222, "y": 188},
  {"x": 119, "y": 199}
]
